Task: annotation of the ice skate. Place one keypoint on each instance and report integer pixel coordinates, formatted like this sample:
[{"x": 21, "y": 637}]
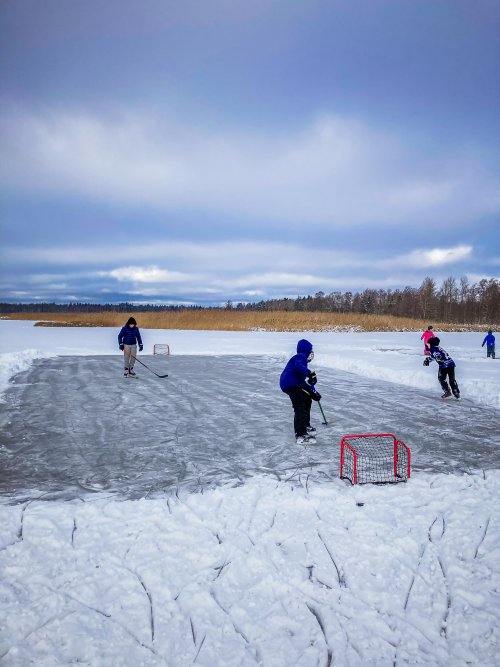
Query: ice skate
[
  {"x": 311, "y": 429},
  {"x": 446, "y": 395},
  {"x": 306, "y": 440}
]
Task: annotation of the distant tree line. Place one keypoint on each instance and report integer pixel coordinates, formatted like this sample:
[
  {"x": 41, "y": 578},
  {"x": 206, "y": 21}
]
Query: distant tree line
[
  {"x": 77, "y": 307},
  {"x": 453, "y": 301}
]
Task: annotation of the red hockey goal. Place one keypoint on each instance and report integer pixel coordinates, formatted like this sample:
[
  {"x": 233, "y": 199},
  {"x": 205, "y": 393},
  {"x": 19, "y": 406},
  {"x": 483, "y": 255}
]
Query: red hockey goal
[
  {"x": 376, "y": 458},
  {"x": 161, "y": 348}
]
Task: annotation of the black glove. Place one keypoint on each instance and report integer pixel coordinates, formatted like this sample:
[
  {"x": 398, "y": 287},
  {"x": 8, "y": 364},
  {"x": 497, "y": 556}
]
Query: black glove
[
  {"x": 141, "y": 347},
  {"x": 122, "y": 347},
  {"x": 312, "y": 379},
  {"x": 427, "y": 361},
  {"x": 315, "y": 395}
]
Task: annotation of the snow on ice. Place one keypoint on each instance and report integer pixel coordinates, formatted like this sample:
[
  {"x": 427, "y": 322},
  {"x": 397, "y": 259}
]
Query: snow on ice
[{"x": 266, "y": 569}]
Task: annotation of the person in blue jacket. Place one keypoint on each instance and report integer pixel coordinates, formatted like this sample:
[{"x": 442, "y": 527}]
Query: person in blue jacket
[
  {"x": 489, "y": 340},
  {"x": 446, "y": 368},
  {"x": 128, "y": 338},
  {"x": 298, "y": 382}
]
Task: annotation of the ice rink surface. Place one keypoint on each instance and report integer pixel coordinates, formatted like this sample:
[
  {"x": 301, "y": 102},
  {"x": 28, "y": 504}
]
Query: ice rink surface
[
  {"x": 73, "y": 426},
  {"x": 174, "y": 522}
]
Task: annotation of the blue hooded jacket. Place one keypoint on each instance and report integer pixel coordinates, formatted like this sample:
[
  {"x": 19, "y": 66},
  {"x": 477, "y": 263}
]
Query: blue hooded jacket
[
  {"x": 296, "y": 371},
  {"x": 129, "y": 336},
  {"x": 489, "y": 339}
]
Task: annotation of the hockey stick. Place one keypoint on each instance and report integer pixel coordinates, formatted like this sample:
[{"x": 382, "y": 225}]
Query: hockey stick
[
  {"x": 324, "y": 418},
  {"x": 149, "y": 369},
  {"x": 325, "y": 422}
]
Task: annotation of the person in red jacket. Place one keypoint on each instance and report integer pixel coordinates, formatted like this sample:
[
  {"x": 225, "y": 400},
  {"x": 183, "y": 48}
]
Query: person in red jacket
[{"x": 425, "y": 337}]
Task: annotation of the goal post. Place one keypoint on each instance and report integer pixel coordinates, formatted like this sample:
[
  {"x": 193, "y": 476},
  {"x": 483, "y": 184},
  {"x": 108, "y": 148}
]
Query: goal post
[
  {"x": 161, "y": 348},
  {"x": 376, "y": 458}
]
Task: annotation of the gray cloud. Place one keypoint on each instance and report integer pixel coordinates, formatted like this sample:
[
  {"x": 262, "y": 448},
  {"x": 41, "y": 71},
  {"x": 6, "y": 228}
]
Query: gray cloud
[
  {"x": 334, "y": 171},
  {"x": 237, "y": 270}
]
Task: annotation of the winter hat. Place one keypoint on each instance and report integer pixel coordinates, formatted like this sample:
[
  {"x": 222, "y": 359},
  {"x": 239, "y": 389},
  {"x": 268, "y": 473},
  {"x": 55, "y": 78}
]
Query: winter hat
[
  {"x": 490, "y": 331},
  {"x": 433, "y": 342},
  {"x": 131, "y": 320},
  {"x": 304, "y": 346}
]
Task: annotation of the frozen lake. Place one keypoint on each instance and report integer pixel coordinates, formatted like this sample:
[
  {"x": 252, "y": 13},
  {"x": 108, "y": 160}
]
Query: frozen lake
[
  {"x": 74, "y": 425},
  {"x": 248, "y": 549}
]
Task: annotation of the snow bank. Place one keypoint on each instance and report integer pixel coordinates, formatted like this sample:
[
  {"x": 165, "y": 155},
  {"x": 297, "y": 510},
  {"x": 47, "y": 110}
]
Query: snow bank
[
  {"x": 265, "y": 573},
  {"x": 12, "y": 363}
]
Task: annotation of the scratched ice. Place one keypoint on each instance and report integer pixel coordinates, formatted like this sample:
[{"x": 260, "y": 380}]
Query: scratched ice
[{"x": 72, "y": 426}]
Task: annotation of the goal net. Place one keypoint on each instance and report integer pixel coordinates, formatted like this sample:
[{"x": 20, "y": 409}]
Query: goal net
[
  {"x": 376, "y": 458},
  {"x": 161, "y": 348}
]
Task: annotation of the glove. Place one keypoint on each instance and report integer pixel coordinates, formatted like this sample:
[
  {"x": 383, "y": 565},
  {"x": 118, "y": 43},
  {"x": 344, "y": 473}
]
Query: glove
[
  {"x": 427, "y": 361},
  {"x": 315, "y": 395},
  {"x": 312, "y": 379},
  {"x": 122, "y": 347},
  {"x": 141, "y": 347}
]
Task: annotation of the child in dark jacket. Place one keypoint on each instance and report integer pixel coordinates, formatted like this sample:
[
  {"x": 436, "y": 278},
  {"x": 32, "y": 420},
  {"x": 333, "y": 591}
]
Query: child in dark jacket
[
  {"x": 489, "y": 340},
  {"x": 128, "y": 338},
  {"x": 446, "y": 368},
  {"x": 301, "y": 393}
]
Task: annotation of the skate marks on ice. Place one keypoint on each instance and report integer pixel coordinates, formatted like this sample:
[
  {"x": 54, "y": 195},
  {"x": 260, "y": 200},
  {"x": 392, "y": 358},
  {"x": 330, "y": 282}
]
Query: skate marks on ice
[
  {"x": 266, "y": 573},
  {"x": 444, "y": 436},
  {"x": 74, "y": 426}
]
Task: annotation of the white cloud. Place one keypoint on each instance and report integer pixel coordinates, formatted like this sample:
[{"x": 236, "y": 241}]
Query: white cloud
[
  {"x": 150, "y": 274},
  {"x": 334, "y": 171},
  {"x": 223, "y": 257},
  {"x": 249, "y": 267},
  {"x": 242, "y": 256},
  {"x": 216, "y": 271},
  {"x": 435, "y": 256}
]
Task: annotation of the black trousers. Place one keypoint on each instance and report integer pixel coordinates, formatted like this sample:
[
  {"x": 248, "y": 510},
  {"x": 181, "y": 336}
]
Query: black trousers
[
  {"x": 448, "y": 373},
  {"x": 490, "y": 351},
  {"x": 301, "y": 402}
]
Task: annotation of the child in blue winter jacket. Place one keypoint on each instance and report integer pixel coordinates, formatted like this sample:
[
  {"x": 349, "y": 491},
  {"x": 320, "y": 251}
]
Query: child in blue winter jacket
[
  {"x": 301, "y": 393},
  {"x": 128, "y": 338},
  {"x": 446, "y": 368},
  {"x": 489, "y": 340}
]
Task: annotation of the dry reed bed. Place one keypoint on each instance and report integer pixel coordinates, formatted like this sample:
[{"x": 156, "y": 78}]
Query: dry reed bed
[{"x": 227, "y": 320}]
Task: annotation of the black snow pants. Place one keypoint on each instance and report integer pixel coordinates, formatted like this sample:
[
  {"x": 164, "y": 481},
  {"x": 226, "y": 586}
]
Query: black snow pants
[
  {"x": 490, "y": 351},
  {"x": 301, "y": 402},
  {"x": 448, "y": 373}
]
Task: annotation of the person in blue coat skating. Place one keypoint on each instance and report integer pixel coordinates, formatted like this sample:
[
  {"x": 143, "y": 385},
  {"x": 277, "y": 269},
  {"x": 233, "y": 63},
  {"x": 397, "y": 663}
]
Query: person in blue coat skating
[
  {"x": 128, "y": 338},
  {"x": 489, "y": 341},
  {"x": 298, "y": 382}
]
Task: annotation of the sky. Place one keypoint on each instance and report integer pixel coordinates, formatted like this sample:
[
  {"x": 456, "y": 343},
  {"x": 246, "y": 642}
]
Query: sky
[{"x": 195, "y": 152}]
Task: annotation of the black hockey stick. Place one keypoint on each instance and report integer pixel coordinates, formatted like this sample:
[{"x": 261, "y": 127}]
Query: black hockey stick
[
  {"x": 324, "y": 418},
  {"x": 149, "y": 369},
  {"x": 319, "y": 403}
]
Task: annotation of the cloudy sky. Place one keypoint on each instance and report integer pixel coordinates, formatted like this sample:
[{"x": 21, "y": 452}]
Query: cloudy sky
[{"x": 197, "y": 151}]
